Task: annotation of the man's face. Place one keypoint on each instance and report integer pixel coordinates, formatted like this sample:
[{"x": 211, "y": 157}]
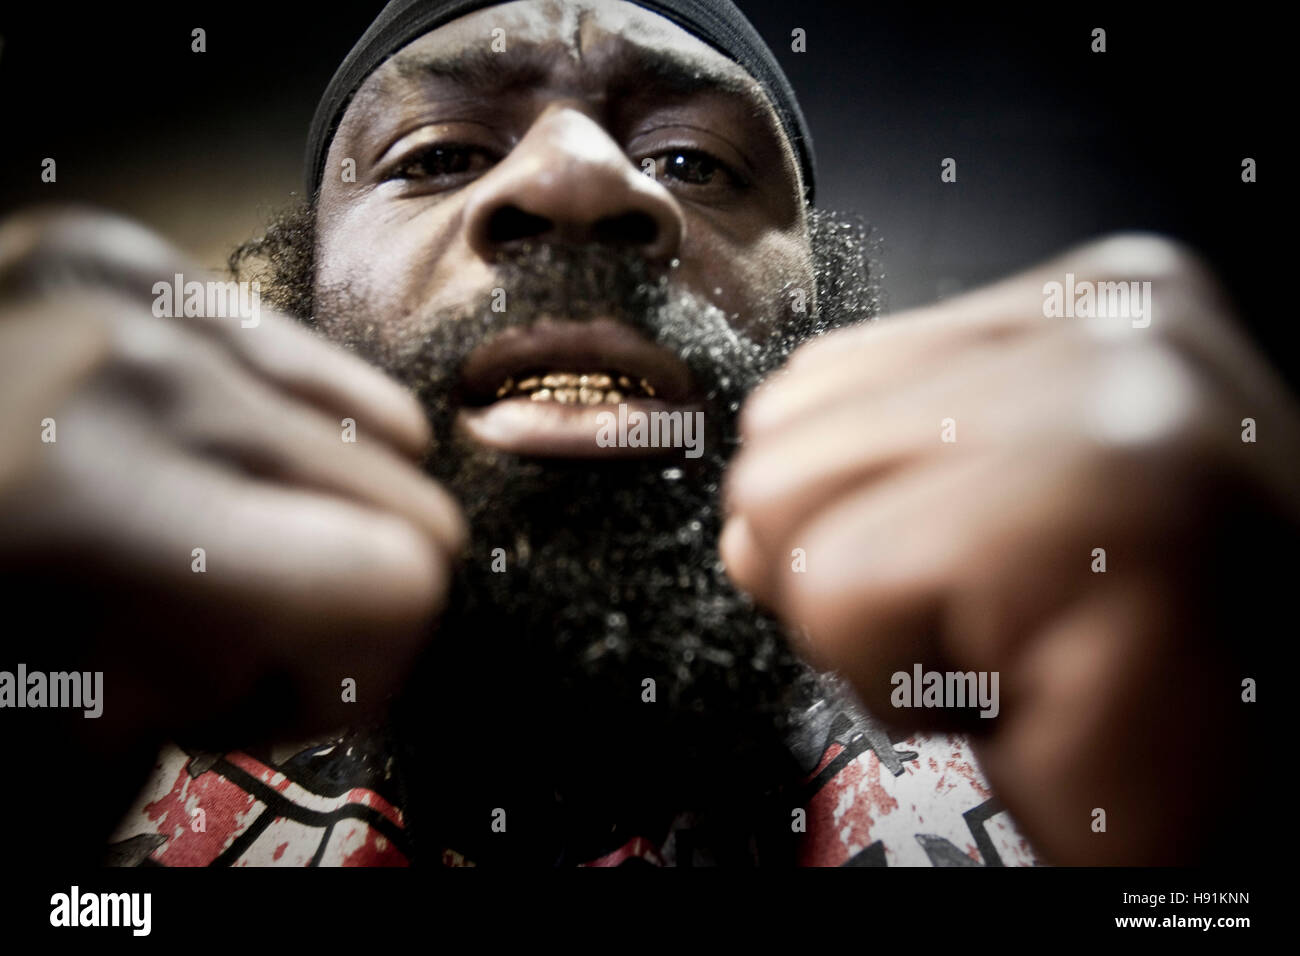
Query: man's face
[
  {"x": 463, "y": 153},
  {"x": 502, "y": 226}
]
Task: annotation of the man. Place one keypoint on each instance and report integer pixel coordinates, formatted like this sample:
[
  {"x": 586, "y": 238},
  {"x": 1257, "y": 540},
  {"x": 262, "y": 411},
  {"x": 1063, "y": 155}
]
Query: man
[{"x": 542, "y": 218}]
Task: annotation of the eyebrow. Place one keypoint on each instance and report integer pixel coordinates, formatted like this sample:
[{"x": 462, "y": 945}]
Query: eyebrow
[{"x": 632, "y": 71}]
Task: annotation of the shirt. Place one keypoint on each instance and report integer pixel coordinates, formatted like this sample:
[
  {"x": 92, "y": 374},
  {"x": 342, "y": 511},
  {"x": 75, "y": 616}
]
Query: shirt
[{"x": 868, "y": 801}]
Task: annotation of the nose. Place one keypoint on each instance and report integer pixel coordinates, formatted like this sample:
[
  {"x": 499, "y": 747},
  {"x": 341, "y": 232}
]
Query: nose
[{"x": 568, "y": 181}]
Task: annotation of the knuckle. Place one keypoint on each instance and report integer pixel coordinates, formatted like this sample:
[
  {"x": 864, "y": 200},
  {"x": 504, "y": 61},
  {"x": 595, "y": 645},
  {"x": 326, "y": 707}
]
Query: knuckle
[
  {"x": 826, "y": 344},
  {"x": 157, "y": 362},
  {"x": 412, "y": 568},
  {"x": 830, "y": 635},
  {"x": 1145, "y": 255},
  {"x": 72, "y": 245}
]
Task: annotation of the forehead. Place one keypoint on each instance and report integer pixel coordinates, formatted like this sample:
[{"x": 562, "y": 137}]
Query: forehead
[{"x": 585, "y": 45}]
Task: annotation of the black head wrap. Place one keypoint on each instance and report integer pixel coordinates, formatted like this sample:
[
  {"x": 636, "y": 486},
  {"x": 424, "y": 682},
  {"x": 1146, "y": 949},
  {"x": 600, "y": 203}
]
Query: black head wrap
[{"x": 717, "y": 22}]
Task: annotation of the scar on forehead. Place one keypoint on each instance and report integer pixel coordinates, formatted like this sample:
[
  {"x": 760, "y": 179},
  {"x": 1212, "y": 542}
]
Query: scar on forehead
[
  {"x": 580, "y": 17},
  {"x": 574, "y": 19}
]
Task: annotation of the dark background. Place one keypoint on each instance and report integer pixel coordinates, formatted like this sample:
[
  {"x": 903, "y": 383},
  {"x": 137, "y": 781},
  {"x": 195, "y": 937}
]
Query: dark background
[{"x": 1054, "y": 144}]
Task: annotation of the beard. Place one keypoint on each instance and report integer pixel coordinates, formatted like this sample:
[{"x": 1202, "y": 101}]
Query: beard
[{"x": 595, "y": 672}]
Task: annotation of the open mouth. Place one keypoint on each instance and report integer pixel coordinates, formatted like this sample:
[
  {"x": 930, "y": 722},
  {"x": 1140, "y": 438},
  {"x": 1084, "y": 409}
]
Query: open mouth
[{"x": 541, "y": 390}]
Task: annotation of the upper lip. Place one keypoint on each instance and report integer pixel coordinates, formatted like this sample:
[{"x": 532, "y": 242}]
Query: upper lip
[{"x": 600, "y": 345}]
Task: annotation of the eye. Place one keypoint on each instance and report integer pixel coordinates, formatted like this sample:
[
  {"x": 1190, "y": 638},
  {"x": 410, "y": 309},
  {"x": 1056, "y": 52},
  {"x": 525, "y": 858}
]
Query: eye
[
  {"x": 445, "y": 160},
  {"x": 693, "y": 167}
]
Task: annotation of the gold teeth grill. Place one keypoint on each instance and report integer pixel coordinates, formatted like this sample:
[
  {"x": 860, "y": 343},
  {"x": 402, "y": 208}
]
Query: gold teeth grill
[{"x": 577, "y": 388}]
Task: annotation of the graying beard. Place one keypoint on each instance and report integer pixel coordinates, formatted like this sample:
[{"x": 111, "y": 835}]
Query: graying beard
[{"x": 656, "y": 529}]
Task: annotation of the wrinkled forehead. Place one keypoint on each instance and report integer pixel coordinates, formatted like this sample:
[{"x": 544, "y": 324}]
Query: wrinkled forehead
[{"x": 592, "y": 49}]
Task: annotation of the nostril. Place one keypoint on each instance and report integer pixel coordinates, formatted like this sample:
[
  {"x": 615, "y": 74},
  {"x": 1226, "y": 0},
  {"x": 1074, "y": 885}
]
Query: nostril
[
  {"x": 510, "y": 224},
  {"x": 631, "y": 228}
]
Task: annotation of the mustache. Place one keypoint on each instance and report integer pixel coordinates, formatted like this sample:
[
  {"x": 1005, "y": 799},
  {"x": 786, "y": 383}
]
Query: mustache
[{"x": 573, "y": 283}]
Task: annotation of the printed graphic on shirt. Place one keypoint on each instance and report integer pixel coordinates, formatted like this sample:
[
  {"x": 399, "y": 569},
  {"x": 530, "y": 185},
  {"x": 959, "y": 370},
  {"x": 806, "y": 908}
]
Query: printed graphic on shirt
[
  {"x": 329, "y": 804},
  {"x": 867, "y": 800}
]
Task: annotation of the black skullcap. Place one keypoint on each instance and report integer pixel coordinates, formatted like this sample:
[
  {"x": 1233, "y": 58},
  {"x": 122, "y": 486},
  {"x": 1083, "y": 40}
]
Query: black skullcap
[{"x": 717, "y": 22}]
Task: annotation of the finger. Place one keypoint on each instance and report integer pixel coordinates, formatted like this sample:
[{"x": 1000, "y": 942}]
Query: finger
[
  {"x": 958, "y": 562},
  {"x": 243, "y": 577},
  {"x": 874, "y": 357},
  {"x": 1110, "y": 681},
  {"x": 777, "y": 481},
  {"x": 79, "y": 249},
  {"x": 322, "y": 590},
  {"x": 742, "y": 557},
  {"x": 250, "y": 423},
  {"x": 869, "y": 597},
  {"x": 42, "y": 358},
  {"x": 1183, "y": 293},
  {"x": 1007, "y": 306},
  {"x": 308, "y": 366}
]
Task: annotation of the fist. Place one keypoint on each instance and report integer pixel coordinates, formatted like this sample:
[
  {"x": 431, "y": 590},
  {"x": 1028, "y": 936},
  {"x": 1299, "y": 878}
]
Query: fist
[
  {"x": 181, "y": 503},
  {"x": 1068, "y": 504}
]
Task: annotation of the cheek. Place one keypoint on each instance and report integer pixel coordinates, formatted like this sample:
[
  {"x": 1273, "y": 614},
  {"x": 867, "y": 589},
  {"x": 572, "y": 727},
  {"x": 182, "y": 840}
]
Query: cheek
[
  {"x": 761, "y": 285},
  {"x": 359, "y": 261},
  {"x": 393, "y": 264}
]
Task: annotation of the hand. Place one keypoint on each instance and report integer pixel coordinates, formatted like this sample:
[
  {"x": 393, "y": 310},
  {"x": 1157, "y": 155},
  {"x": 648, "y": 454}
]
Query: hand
[
  {"x": 324, "y": 560},
  {"x": 979, "y": 553}
]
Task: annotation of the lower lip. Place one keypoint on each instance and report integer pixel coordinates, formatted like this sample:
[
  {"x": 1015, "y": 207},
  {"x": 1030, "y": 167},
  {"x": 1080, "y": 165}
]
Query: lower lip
[{"x": 555, "y": 430}]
